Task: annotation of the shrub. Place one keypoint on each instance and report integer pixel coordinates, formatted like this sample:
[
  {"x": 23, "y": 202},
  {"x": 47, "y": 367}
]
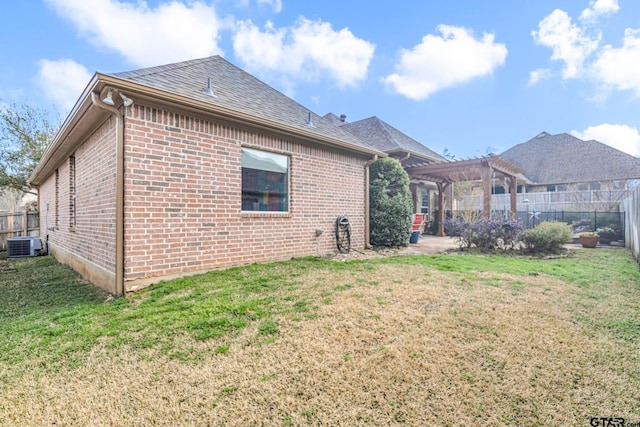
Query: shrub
[
  {"x": 391, "y": 206},
  {"x": 547, "y": 237},
  {"x": 485, "y": 234}
]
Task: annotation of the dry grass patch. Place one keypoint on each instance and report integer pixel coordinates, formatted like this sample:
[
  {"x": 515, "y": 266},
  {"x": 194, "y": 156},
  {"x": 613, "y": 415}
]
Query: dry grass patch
[{"x": 410, "y": 341}]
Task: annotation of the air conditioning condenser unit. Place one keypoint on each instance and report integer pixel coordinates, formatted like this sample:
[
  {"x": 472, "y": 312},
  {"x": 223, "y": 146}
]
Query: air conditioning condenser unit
[{"x": 23, "y": 246}]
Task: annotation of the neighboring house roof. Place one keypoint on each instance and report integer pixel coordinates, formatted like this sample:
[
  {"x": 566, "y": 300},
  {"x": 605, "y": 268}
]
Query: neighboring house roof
[
  {"x": 237, "y": 96},
  {"x": 562, "y": 158},
  {"x": 237, "y": 90},
  {"x": 338, "y": 121},
  {"x": 385, "y": 137}
]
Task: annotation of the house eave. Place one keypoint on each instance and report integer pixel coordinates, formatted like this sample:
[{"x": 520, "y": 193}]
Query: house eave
[
  {"x": 72, "y": 130},
  {"x": 138, "y": 91},
  {"x": 80, "y": 121},
  {"x": 414, "y": 155}
]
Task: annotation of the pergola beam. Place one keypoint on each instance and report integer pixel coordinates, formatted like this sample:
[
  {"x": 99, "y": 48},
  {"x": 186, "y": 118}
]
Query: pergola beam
[{"x": 479, "y": 169}]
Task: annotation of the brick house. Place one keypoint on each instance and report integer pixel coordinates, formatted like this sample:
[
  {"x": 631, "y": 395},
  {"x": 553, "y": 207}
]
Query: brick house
[
  {"x": 381, "y": 135},
  {"x": 563, "y": 172},
  {"x": 194, "y": 166}
]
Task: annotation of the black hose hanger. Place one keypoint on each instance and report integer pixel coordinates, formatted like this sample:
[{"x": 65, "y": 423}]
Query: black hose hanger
[{"x": 343, "y": 234}]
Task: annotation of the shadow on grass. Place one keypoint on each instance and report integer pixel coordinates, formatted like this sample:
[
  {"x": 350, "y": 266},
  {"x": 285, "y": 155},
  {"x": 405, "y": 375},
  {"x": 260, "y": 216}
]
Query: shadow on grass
[{"x": 39, "y": 286}]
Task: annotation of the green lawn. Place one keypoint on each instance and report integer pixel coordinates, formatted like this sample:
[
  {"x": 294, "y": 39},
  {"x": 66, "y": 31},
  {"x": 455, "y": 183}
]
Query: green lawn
[{"x": 417, "y": 340}]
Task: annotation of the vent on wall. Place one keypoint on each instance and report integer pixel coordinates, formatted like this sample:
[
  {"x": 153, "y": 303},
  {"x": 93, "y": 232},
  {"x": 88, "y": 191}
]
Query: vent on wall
[{"x": 24, "y": 246}]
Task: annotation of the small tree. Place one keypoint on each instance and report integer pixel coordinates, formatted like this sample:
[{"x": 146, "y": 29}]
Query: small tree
[
  {"x": 391, "y": 206},
  {"x": 25, "y": 132}
]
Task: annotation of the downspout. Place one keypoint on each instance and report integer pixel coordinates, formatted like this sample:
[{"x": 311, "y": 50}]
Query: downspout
[
  {"x": 119, "y": 116},
  {"x": 404, "y": 158},
  {"x": 367, "y": 226}
]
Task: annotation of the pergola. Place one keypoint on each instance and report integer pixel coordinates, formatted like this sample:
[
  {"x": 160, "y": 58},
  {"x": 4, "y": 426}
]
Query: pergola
[{"x": 479, "y": 169}]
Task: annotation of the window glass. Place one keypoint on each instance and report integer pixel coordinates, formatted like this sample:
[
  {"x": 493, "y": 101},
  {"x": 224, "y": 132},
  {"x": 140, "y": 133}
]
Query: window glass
[
  {"x": 72, "y": 191},
  {"x": 265, "y": 181},
  {"x": 619, "y": 185},
  {"x": 424, "y": 198},
  {"x": 57, "y": 203}
]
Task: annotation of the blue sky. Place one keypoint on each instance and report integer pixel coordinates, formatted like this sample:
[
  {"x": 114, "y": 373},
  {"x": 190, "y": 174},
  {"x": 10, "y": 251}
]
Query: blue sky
[{"x": 470, "y": 76}]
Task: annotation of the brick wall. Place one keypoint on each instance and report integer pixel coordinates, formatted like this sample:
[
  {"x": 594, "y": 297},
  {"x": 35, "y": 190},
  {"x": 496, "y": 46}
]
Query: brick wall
[
  {"x": 89, "y": 246},
  {"x": 183, "y": 197}
]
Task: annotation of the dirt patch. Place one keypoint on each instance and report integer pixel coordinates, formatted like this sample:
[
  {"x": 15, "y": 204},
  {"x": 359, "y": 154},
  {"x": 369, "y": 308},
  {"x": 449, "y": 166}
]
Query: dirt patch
[{"x": 427, "y": 245}]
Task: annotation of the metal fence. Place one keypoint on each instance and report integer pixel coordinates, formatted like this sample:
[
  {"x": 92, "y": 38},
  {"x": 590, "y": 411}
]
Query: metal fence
[
  {"x": 15, "y": 224},
  {"x": 610, "y": 225}
]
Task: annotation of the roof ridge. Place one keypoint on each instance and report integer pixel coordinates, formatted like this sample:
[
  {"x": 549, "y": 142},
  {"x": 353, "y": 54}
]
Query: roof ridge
[
  {"x": 386, "y": 126},
  {"x": 157, "y": 69}
]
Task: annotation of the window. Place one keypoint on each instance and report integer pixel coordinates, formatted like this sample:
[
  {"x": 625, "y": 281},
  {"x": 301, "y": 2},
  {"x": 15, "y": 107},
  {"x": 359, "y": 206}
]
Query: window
[
  {"x": 57, "y": 203},
  {"x": 586, "y": 186},
  {"x": 72, "y": 192},
  {"x": 424, "y": 200},
  {"x": 265, "y": 181},
  {"x": 559, "y": 187},
  {"x": 619, "y": 185}
]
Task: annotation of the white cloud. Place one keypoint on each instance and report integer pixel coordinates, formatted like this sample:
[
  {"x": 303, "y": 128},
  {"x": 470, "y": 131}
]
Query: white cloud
[
  {"x": 599, "y": 8},
  {"x": 307, "y": 50},
  {"x": 63, "y": 81},
  {"x": 440, "y": 62},
  {"x": 276, "y": 5},
  {"x": 170, "y": 32},
  {"x": 540, "y": 74},
  {"x": 569, "y": 42},
  {"x": 619, "y": 68},
  {"x": 621, "y": 137},
  {"x": 577, "y": 46}
]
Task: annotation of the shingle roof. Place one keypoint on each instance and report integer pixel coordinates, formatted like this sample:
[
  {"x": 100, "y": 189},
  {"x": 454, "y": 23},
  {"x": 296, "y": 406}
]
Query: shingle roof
[
  {"x": 562, "y": 158},
  {"x": 385, "y": 137},
  {"x": 237, "y": 90}
]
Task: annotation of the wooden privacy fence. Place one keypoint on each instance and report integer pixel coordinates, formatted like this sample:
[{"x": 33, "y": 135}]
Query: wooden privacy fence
[
  {"x": 631, "y": 208},
  {"x": 15, "y": 224}
]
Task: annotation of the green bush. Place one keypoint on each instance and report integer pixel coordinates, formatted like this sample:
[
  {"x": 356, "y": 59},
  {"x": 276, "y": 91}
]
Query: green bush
[
  {"x": 547, "y": 237},
  {"x": 391, "y": 204},
  {"x": 486, "y": 234}
]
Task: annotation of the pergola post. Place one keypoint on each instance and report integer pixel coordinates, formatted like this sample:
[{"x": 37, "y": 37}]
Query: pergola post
[
  {"x": 513, "y": 190},
  {"x": 442, "y": 186},
  {"x": 486, "y": 189}
]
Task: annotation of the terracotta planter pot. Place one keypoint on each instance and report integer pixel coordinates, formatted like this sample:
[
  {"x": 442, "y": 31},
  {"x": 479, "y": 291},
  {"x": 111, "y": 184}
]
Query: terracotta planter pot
[{"x": 589, "y": 241}]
